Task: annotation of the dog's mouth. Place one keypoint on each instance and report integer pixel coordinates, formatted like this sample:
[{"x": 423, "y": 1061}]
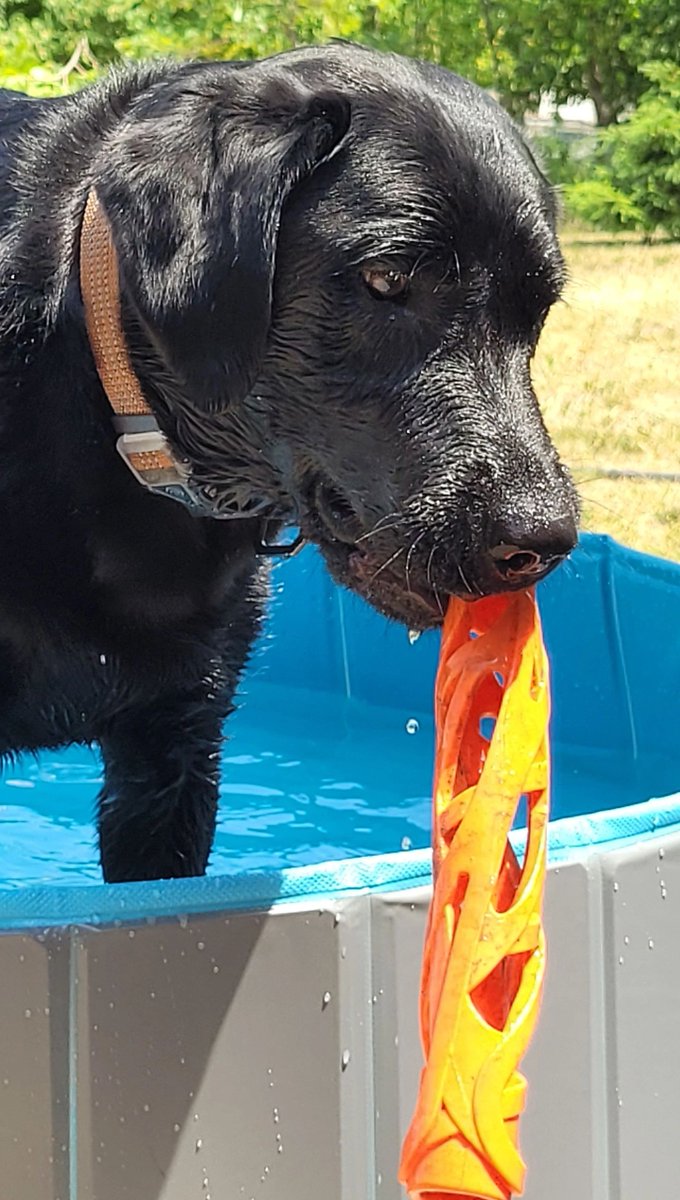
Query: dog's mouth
[{"x": 383, "y": 577}]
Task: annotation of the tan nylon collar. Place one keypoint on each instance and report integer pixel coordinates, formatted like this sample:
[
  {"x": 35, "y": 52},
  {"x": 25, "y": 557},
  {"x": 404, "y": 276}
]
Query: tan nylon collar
[
  {"x": 100, "y": 288},
  {"x": 146, "y": 453},
  {"x": 141, "y": 444}
]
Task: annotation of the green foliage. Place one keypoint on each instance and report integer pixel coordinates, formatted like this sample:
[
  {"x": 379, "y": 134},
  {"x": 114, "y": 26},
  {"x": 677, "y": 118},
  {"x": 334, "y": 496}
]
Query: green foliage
[
  {"x": 578, "y": 49},
  {"x": 40, "y": 38},
  {"x": 565, "y": 158},
  {"x": 598, "y": 202},
  {"x": 520, "y": 48},
  {"x": 571, "y": 48},
  {"x": 636, "y": 179}
]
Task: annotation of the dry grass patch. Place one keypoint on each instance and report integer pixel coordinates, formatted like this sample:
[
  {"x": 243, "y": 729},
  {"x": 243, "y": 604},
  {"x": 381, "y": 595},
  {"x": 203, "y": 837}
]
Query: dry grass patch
[{"x": 607, "y": 373}]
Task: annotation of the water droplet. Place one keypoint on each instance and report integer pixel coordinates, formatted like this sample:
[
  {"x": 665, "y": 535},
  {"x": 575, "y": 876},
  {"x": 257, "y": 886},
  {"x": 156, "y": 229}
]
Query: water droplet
[
  {"x": 662, "y": 852},
  {"x": 650, "y": 943},
  {"x": 276, "y": 1115},
  {"x": 196, "y": 1117},
  {"x": 326, "y": 999},
  {"x": 199, "y": 1144},
  {"x": 621, "y": 960},
  {"x": 336, "y": 920},
  {"x": 28, "y": 1013},
  {"x": 183, "y": 922},
  {"x": 616, "y": 886},
  {"x": 200, "y": 945},
  {"x": 626, "y": 940},
  {"x": 102, "y": 659},
  {"x": 406, "y": 843},
  {"x": 216, "y": 969},
  {"x": 131, "y": 933},
  {"x": 146, "y": 1108},
  {"x": 176, "y": 1127},
  {"x": 412, "y": 726},
  {"x": 413, "y": 635},
  {"x": 346, "y": 1057}
]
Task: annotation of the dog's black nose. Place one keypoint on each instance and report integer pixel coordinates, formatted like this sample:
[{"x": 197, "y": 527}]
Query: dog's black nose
[{"x": 523, "y": 554}]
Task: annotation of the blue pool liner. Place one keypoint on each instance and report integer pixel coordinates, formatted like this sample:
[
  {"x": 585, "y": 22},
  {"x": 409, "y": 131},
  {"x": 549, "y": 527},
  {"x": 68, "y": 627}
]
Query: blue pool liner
[{"x": 611, "y": 622}]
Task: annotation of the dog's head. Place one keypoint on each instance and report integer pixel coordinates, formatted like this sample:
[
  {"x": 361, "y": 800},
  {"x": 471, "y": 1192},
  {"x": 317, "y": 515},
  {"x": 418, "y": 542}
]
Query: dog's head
[{"x": 340, "y": 263}]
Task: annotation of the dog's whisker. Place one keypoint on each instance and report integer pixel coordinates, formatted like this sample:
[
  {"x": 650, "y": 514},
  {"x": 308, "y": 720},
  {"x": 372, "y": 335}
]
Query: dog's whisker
[
  {"x": 381, "y": 523},
  {"x": 428, "y": 569},
  {"x": 384, "y": 528},
  {"x": 591, "y": 500},
  {"x": 466, "y": 585},
  {"x": 409, "y": 556},
  {"x": 386, "y": 564}
]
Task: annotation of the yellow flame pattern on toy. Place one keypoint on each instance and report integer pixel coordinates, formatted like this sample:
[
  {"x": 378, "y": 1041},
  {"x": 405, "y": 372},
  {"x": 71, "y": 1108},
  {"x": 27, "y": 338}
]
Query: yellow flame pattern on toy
[{"x": 484, "y": 954}]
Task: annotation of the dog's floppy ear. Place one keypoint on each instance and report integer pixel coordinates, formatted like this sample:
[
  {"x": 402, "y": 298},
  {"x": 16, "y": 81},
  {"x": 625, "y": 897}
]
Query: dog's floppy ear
[{"x": 194, "y": 185}]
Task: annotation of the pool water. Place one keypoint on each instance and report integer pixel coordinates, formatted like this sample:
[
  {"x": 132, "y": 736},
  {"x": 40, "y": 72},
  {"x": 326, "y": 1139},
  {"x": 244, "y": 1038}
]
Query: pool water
[{"x": 307, "y": 777}]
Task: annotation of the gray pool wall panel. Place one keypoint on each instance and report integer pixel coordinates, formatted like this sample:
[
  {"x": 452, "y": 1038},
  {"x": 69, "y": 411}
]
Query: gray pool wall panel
[{"x": 276, "y": 1053}]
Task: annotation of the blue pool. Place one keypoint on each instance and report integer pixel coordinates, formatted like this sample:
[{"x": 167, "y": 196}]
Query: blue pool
[
  {"x": 329, "y": 756},
  {"x": 253, "y": 1032}
]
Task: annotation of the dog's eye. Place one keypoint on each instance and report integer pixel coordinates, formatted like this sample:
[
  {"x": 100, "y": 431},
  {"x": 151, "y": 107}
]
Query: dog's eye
[{"x": 384, "y": 282}]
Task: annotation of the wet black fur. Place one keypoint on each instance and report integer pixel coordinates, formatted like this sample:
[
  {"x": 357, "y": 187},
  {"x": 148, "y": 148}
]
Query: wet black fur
[{"x": 243, "y": 200}]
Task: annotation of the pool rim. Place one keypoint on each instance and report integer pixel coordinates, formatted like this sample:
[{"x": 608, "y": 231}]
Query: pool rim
[{"x": 48, "y": 906}]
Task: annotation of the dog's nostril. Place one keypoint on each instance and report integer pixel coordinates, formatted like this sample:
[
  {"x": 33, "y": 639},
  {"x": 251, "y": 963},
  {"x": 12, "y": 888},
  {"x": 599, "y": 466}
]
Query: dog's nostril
[
  {"x": 511, "y": 561},
  {"x": 529, "y": 553}
]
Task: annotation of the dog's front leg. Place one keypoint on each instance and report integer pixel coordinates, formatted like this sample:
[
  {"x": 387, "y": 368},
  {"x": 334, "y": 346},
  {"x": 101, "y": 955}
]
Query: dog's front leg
[{"x": 158, "y": 807}]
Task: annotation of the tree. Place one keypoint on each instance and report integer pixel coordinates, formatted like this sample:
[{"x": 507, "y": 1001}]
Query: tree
[
  {"x": 581, "y": 49},
  {"x": 572, "y": 48},
  {"x": 636, "y": 180},
  {"x": 38, "y": 37}
]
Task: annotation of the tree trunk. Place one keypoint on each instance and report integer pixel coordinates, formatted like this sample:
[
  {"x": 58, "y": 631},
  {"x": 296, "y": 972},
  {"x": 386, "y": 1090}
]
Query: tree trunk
[{"x": 606, "y": 110}]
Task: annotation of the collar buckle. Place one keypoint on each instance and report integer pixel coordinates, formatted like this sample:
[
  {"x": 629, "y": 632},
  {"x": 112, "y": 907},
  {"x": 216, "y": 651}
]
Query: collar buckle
[{"x": 148, "y": 456}]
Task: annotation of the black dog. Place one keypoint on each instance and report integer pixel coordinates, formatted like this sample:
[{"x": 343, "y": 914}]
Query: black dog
[{"x": 334, "y": 267}]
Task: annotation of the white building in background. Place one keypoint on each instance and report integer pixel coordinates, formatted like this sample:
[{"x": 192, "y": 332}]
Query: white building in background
[{"x": 575, "y": 115}]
